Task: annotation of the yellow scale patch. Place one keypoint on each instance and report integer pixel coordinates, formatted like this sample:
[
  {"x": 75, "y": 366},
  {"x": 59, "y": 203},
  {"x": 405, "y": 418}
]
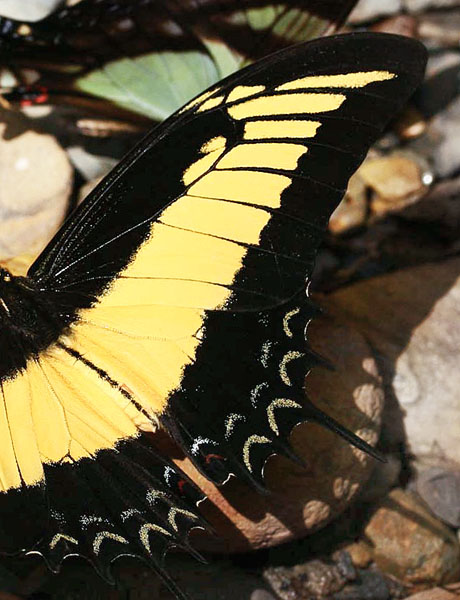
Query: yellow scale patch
[
  {"x": 144, "y": 330},
  {"x": 259, "y": 130}
]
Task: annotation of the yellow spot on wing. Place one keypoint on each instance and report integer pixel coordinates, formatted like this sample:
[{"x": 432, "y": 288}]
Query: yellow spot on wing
[
  {"x": 286, "y": 104},
  {"x": 253, "y": 187},
  {"x": 199, "y": 167},
  {"x": 201, "y": 98},
  {"x": 229, "y": 220},
  {"x": 211, "y": 103},
  {"x": 243, "y": 91},
  {"x": 258, "y": 130},
  {"x": 215, "y": 143},
  {"x": 346, "y": 80},
  {"x": 270, "y": 155}
]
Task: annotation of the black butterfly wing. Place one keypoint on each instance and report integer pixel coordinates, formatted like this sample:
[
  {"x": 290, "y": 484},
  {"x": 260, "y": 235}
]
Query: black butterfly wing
[
  {"x": 98, "y": 46},
  {"x": 179, "y": 293}
]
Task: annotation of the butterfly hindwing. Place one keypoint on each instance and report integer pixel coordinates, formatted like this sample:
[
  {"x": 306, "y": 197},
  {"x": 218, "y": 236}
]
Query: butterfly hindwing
[
  {"x": 177, "y": 296},
  {"x": 96, "y": 48}
]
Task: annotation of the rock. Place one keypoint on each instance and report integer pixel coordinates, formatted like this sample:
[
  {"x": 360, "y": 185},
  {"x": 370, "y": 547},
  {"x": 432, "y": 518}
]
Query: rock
[
  {"x": 397, "y": 179},
  {"x": 411, "y": 124},
  {"x": 440, "y": 29},
  {"x": 399, "y": 25},
  {"x": 418, "y": 6},
  {"x": 383, "y": 477},
  {"x": 360, "y": 554},
  {"x": 434, "y": 594},
  {"x": 315, "y": 578},
  {"x": 371, "y": 585},
  {"x": 369, "y": 10},
  {"x": 352, "y": 210},
  {"x": 36, "y": 185},
  {"x": 90, "y": 166},
  {"x": 412, "y": 319},
  {"x": 32, "y": 10},
  {"x": 447, "y": 155},
  {"x": 303, "y": 500},
  {"x": 439, "y": 209},
  {"x": 444, "y": 130},
  {"x": 407, "y": 542},
  {"x": 440, "y": 489}
]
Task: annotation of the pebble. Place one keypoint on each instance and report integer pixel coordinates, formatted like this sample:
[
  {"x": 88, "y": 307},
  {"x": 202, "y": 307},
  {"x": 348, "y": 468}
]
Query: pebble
[
  {"x": 445, "y": 131},
  {"x": 439, "y": 209},
  {"x": 407, "y": 542},
  {"x": 369, "y": 10},
  {"x": 32, "y": 10},
  {"x": 36, "y": 185},
  {"x": 434, "y": 594},
  {"x": 397, "y": 180},
  {"x": 315, "y": 578},
  {"x": 440, "y": 29},
  {"x": 441, "y": 85},
  {"x": 440, "y": 489},
  {"x": 411, "y": 124},
  {"x": 352, "y": 210},
  {"x": 371, "y": 585},
  {"x": 412, "y": 319},
  {"x": 304, "y": 500},
  {"x": 90, "y": 166},
  {"x": 399, "y": 24},
  {"x": 418, "y": 6}
]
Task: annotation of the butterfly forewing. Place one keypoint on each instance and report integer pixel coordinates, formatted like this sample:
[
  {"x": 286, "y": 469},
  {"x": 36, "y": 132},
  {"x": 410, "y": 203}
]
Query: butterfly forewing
[{"x": 181, "y": 285}]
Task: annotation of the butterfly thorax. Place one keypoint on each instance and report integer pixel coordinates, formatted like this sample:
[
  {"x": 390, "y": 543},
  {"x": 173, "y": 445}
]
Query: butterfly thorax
[{"x": 29, "y": 322}]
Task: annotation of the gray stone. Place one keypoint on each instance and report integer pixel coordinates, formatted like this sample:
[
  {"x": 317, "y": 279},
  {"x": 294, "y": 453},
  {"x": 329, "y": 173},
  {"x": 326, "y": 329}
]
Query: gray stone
[
  {"x": 369, "y": 10},
  {"x": 370, "y": 586},
  {"x": 412, "y": 319},
  {"x": 440, "y": 489}
]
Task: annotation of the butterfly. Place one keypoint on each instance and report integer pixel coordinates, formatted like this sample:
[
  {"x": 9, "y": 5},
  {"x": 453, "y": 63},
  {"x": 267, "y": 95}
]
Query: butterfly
[
  {"x": 176, "y": 296},
  {"x": 90, "y": 55}
]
